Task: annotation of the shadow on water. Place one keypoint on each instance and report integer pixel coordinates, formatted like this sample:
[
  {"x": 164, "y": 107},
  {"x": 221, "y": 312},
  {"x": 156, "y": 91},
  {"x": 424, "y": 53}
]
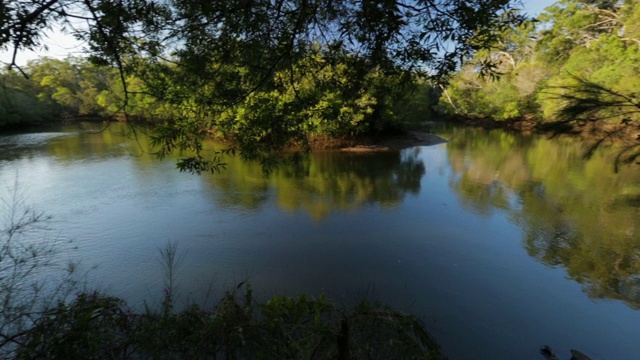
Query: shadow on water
[{"x": 575, "y": 213}]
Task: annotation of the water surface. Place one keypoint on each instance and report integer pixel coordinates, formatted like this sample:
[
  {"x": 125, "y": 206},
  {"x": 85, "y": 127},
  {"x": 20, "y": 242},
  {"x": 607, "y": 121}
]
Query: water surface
[{"x": 502, "y": 243}]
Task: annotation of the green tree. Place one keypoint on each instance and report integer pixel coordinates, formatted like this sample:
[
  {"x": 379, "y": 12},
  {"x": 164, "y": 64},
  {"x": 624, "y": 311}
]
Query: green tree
[
  {"x": 579, "y": 65},
  {"x": 595, "y": 41},
  {"x": 73, "y": 83},
  {"x": 507, "y": 93},
  {"x": 595, "y": 88},
  {"x": 236, "y": 51},
  {"x": 19, "y": 103}
]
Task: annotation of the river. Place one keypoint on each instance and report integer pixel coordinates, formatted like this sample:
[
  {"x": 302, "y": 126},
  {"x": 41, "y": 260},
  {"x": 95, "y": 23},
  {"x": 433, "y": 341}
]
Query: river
[{"x": 501, "y": 243}]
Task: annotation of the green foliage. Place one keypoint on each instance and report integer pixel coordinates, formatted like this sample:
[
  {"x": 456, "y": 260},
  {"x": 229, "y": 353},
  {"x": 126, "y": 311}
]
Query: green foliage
[
  {"x": 93, "y": 326},
  {"x": 299, "y": 327},
  {"x": 266, "y": 74},
  {"x": 596, "y": 42},
  {"x": 418, "y": 103},
  {"x": 96, "y": 326},
  {"x": 72, "y": 88},
  {"x": 72, "y": 83},
  {"x": 505, "y": 98},
  {"x": 19, "y": 103},
  {"x": 319, "y": 94}
]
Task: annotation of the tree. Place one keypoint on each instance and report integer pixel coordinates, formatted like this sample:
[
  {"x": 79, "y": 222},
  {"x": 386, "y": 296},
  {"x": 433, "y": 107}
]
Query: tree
[
  {"x": 19, "y": 103},
  {"x": 235, "y": 49},
  {"x": 507, "y": 93},
  {"x": 73, "y": 83},
  {"x": 584, "y": 102},
  {"x": 568, "y": 68},
  {"x": 595, "y": 89}
]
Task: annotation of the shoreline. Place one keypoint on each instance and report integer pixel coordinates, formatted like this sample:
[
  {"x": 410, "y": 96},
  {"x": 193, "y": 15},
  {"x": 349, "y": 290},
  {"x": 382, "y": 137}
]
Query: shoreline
[
  {"x": 367, "y": 143},
  {"x": 610, "y": 132},
  {"x": 399, "y": 142}
]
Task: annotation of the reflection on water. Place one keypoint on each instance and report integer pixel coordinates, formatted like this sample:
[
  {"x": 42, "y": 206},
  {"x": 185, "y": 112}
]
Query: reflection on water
[
  {"x": 322, "y": 183},
  {"x": 502, "y": 239},
  {"x": 74, "y": 142},
  {"x": 574, "y": 213},
  {"x": 319, "y": 184}
]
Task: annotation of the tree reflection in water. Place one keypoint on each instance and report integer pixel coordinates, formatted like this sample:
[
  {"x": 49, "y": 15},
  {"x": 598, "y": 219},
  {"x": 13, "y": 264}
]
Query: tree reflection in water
[
  {"x": 574, "y": 213},
  {"x": 324, "y": 182}
]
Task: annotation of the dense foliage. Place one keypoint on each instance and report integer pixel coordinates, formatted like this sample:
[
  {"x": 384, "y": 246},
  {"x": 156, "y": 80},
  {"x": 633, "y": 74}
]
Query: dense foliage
[
  {"x": 581, "y": 61},
  {"x": 19, "y": 103},
  {"x": 96, "y": 326},
  {"x": 270, "y": 74},
  {"x": 265, "y": 73},
  {"x": 576, "y": 71}
]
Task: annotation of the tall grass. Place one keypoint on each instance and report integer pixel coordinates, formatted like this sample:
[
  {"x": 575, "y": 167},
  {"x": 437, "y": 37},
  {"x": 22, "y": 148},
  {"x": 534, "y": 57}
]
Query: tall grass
[{"x": 33, "y": 275}]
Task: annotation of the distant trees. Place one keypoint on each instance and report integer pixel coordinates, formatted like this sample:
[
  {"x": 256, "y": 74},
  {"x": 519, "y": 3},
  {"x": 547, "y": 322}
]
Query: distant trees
[
  {"x": 72, "y": 83},
  {"x": 19, "y": 103},
  {"x": 54, "y": 89}
]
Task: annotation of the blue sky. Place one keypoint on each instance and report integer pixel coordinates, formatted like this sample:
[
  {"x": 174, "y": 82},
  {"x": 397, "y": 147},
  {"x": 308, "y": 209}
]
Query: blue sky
[
  {"x": 535, "y": 7},
  {"x": 61, "y": 45}
]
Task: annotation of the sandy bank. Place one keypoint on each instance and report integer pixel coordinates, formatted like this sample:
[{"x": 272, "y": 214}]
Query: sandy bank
[{"x": 407, "y": 140}]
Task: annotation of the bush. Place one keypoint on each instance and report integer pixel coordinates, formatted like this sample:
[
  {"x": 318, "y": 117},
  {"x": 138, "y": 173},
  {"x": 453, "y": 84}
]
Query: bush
[{"x": 97, "y": 326}]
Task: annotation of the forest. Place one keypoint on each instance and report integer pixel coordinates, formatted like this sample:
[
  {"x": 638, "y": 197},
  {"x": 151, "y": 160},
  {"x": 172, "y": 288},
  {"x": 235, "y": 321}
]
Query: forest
[{"x": 576, "y": 63}]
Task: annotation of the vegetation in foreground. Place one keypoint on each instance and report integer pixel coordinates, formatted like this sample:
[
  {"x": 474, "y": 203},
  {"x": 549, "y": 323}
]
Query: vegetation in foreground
[
  {"x": 42, "y": 318},
  {"x": 97, "y": 326}
]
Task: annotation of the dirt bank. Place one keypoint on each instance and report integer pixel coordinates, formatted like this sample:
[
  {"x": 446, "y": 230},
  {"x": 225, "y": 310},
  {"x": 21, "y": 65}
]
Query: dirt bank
[
  {"x": 409, "y": 139},
  {"x": 385, "y": 143}
]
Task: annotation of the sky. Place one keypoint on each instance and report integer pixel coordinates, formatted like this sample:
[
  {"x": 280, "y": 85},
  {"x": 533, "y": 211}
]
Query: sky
[
  {"x": 61, "y": 45},
  {"x": 535, "y": 7}
]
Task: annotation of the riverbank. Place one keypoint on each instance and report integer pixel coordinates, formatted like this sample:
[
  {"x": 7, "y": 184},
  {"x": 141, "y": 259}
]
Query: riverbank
[
  {"x": 609, "y": 132},
  {"x": 393, "y": 142}
]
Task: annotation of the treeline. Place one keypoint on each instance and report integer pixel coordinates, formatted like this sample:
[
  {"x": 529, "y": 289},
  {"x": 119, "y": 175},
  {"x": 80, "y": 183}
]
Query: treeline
[
  {"x": 58, "y": 89},
  {"x": 314, "y": 94},
  {"x": 581, "y": 58}
]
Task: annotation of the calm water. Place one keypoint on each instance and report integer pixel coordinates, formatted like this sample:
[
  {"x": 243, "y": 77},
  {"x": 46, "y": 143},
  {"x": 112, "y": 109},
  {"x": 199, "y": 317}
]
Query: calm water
[{"x": 502, "y": 243}]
